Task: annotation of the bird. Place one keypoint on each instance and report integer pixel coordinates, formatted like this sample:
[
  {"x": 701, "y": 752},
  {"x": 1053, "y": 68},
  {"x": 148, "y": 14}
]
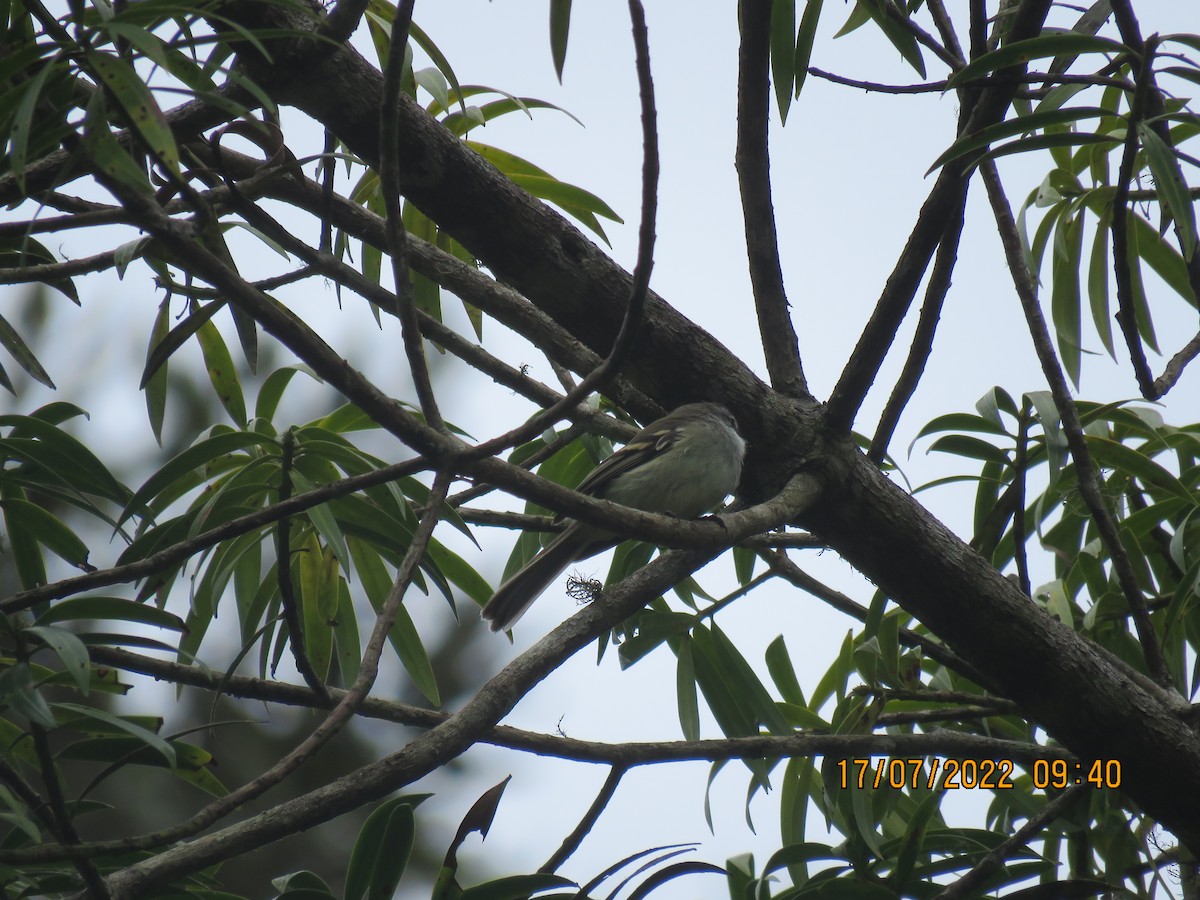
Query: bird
[{"x": 683, "y": 464}]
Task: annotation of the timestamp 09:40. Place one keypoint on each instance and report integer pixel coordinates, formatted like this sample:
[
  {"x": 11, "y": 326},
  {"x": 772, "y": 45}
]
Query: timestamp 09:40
[{"x": 972, "y": 774}]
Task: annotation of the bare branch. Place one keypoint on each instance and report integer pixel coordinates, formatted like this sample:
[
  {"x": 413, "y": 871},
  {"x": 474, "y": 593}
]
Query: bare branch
[
  {"x": 752, "y": 160},
  {"x": 783, "y": 566},
  {"x": 572, "y": 841},
  {"x": 636, "y": 303},
  {"x": 1089, "y": 486},
  {"x": 397, "y": 235},
  {"x": 922, "y": 342},
  {"x": 893, "y": 304}
]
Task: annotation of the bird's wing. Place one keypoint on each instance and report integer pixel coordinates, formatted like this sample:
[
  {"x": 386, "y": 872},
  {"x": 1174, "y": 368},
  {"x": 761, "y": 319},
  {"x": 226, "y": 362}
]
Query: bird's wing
[{"x": 646, "y": 444}]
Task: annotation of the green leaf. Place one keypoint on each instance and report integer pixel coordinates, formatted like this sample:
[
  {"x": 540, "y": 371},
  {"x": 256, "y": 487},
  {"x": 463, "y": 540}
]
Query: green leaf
[
  {"x": 24, "y": 549},
  {"x": 1065, "y": 296},
  {"x": 901, "y": 38},
  {"x": 107, "y": 155},
  {"x": 156, "y": 385},
  {"x": 1172, "y": 189},
  {"x": 1125, "y": 459},
  {"x": 273, "y": 387},
  {"x": 969, "y": 447},
  {"x": 69, "y": 649},
  {"x": 138, "y": 104},
  {"x": 47, "y": 529},
  {"x": 560, "y": 28},
  {"x": 985, "y": 137},
  {"x": 68, "y": 460},
  {"x": 323, "y": 520},
  {"x": 318, "y": 583},
  {"x": 1097, "y": 285},
  {"x": 435, "y": 83},
  {"x": 382, "y": 850},
  {"x": 574, "y": 200},
  {"x": 783, "y": 672},
  {"x": 113, "y": 608},
  {"x": 1140, "y": 244},
  {"x": 804, "y": 41},
  {"x": 22, "y": 122},
  {"x": 746, "y": 685},
  {"x": 164, "y": 347},
  {"x": 188, "y": 461},
  {"x": 17, "y": 692},
  {"x": 685, "y": 692},
  {"x": 222, "y": 373},
  {"x": 403, "y": 636},
  {"x": 1164, "y": 259},
  {"x": 19, "y": 350},
  {"x": 149, "y": 738},
  {"x": 22, "y": 251},
  {"x": 783, "y": 53},
  {"x": 1046, "y": 45}
]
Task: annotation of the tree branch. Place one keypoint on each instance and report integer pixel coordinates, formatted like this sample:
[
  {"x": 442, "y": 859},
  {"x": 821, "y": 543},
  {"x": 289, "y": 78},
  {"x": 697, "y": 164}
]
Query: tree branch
[
  {"x": 572, "y": 841},
  {"x": 752, "y": 161},
  {"x": 995, "y": 859},
  {"x": 893, "y": 304},
  {"x": 1089, "y": 486},
  {"x": 449, "y": 739},
  {"x": 922, "y": 342}
]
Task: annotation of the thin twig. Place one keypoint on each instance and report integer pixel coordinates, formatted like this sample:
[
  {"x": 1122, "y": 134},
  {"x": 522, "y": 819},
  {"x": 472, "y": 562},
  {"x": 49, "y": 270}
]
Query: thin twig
[
  {"x": 1088, "y": 478},
  {"x": 283, "y": 572},
  {"x": 1175, "y": 367},
  {"x": 639, "y": 289},
  {"x": 1020, "y": 459},
  {"x": 945, "y": 26},
  {"x": 161, "y": 560},
  {"x": 970, "y": 882},
  {"x": 65, "y": 825},
  {"x": 921, "y": 347},
  {"x": 572, "y": 841},
  {"x": 1122, "y": 268},
  {"x": 397, "y": 235},
  {"x": 937, "y": 87},
  {"x": 789, "y": 571},
  {"x": 50, "y": 272},
  {"x": 752, "y": 161}
]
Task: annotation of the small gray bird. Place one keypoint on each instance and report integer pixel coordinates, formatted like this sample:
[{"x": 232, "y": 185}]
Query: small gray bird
[{"x": 684, "y": 464}]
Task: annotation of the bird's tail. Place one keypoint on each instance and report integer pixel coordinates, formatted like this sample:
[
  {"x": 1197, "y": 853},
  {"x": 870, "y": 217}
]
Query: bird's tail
[{"x": 518, "y": 593}]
